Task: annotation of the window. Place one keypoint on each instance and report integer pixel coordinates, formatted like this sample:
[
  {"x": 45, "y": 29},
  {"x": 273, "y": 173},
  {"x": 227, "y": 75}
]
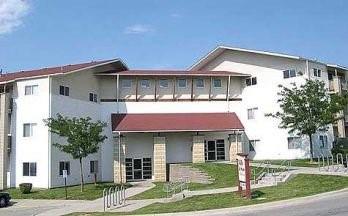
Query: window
[
  {"x": 31, "y": 90},
  {"x": 129, "y": 168},
  {"x": 251, "y": 81},
  {"x": 93, "y": 166},
  {"x": 163, "y": 83},
  {"x": 252, "y": 145},
  {"x": 28, "y": 129},
  {"x": 29, "y": 169},
  {"x": 289, "y": 73},
  {"x": 93, "y": 97},
  {"x": 200, "y": 83},
  {"x": 182, "y": 83},
  {"x": 63, "y": 90},
  {"x": 64, "y": 165},
  {"x": 217, "y": 83},
  {"x": 316, "y": 72},
  {"x": 252, "y": 113},
  {"x": 147, "y": 168},
  {"x": 323, "y": 141},
  {"x": 145, "y": 83},
  {"x": 220, "y": 149},
  {"x": 126, "y": 83},
  {"x": 294, "y": 142}
]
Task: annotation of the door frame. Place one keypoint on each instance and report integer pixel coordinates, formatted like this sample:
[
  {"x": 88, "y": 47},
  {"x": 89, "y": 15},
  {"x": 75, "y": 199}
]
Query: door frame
[{"x": 141, "y": 163}]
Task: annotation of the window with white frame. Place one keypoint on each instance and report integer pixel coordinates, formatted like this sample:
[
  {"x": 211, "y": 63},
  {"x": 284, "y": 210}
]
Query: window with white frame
[
  {"x": 126, "y": 83},
  {"x": 31, "y": 90},
  {"x": 251, "y": 81},
  {"x": 64, "y": 90},
  {"x": 93, "y": 97},
  {"x": 64, "y": 165},
  {"x": 323, "y": 141},
  {"x": 93, "y": 166},
  {"x": 145, "y": 83},
  {"x": 29, "y": 169},
  {"x": 217, "y": 83},
  {"x": 200, "y": 83},
  {"x": 294, "y": 142},
  {"x": 28, "y": 129},
  {"x": 182, "y": 83},
  {"x": 316, "y": 72},
  {"x": 252, "y": 113},
  {"x": 163, "y": 83},
  {"x": 289, "y": 73}
]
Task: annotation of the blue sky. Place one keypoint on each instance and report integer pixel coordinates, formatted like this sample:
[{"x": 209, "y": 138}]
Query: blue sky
[{"x": 166, "y": 34}]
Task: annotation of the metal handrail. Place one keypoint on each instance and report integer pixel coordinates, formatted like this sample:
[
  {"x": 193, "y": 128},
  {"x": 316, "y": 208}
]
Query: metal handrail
[
  {"x": 265, "y": 165},
  {"x": 173, "y": 187}
]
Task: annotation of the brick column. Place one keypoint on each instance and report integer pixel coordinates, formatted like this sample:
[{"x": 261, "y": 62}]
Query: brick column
[
  {"x": 119, "y": 161},
  {"x": 4, "y": 105},
  {"x": 236, "y": 146},
  {"x": 198, "y": 149},
  {"x": 159, "y": 155}
]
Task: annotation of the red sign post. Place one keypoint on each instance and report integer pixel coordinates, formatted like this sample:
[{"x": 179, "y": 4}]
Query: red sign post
[{"x": 243, "y": 168}]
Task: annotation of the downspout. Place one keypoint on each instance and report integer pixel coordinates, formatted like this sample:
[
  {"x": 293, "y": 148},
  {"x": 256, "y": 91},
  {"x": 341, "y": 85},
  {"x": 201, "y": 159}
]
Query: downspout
[
  {"x": 49, "y": 133},
  {"x": 119, "y": 155},
  {"x": 307, "y": 69},
  {"x": 228, "y": 93},
  {"x": 117, "y": 92}
]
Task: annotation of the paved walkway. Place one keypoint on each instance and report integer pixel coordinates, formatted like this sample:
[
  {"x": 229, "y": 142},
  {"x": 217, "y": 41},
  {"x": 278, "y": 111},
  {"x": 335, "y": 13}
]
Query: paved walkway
[{"x": 61, "y": 207}]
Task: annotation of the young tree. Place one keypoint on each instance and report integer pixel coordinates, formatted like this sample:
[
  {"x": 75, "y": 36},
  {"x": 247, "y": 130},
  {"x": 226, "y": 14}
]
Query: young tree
[
  {"x": 83, "y": 136},
  {"x": 308, "y": 108}
]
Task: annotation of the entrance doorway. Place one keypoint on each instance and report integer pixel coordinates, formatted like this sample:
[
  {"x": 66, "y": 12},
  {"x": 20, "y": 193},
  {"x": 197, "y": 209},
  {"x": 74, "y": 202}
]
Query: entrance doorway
[
  {"x": 138, "y": 169},
  {"x": 214, "y": 150}
]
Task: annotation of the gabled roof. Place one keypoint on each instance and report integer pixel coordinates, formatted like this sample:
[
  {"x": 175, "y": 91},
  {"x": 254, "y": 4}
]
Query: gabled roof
[
  {"x": 174, "y": 73},
  {"x": 65, "y": 69},
  {"x": 175, "y": 122},
  {"x": 219, "y": 49}
]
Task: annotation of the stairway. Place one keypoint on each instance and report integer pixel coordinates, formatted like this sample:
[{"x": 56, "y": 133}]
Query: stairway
[
  {"x": 273, "y": 178},
  {"x": 194, "y": 175}
]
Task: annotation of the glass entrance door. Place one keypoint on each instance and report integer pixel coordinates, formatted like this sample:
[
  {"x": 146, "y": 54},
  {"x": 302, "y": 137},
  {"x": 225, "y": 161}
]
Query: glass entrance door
[
  {"x": 211, "y": 150},
  {"x": 137, "y": 169}
]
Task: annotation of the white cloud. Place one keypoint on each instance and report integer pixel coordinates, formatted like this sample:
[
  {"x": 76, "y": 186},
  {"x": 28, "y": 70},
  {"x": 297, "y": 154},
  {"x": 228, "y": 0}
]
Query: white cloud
[
  {"x": 11, "y": 14},
  {"x": 138, "y": 29},
  {"x": 175, "y": 15}
]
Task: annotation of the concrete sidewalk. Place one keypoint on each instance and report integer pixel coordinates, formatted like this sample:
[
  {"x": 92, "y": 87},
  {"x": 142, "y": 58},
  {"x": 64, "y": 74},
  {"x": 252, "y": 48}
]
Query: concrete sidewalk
[{"x": 61, "y": 207}]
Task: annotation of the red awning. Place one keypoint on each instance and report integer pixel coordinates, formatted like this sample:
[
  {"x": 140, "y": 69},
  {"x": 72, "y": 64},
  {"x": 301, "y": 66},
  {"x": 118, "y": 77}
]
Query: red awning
[{"x": 175, "y": 122}]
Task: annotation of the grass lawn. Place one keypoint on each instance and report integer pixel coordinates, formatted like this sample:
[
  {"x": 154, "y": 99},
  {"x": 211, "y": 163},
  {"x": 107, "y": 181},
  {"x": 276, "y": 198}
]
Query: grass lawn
[
  {"x": 225, "y": 175},
  {"x": 90, "y": 192},
  {"x": 300, "y": 186},
  {"x": 295, "y": 163}
]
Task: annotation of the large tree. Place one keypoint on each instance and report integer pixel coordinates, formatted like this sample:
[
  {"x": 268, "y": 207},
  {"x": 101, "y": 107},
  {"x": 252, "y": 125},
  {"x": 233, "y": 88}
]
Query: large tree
[
  {"x": 82, "y": 136},
  {"x": 308, "y": 108}
]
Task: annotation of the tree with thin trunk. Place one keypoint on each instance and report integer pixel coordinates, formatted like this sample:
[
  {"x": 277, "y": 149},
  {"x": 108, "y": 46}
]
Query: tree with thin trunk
[
  {"x": 82, "y": 137},
  {"x": 309, "y": 108}
]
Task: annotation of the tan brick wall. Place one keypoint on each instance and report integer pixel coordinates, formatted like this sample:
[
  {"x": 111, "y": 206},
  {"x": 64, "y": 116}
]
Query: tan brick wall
[
  {"x": 120, "y": 166},
  {"x": 198, "y": 149},
  {"x": 4, "y": 105},
  {"x": 159, "y": 159}
]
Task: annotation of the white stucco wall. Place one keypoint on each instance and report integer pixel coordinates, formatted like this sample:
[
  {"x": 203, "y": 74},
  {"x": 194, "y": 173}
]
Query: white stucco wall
[
  {"x": 73, "y": 107},
  {"x": 269, "y": 72},
  {"x": 31, "y": 109}
]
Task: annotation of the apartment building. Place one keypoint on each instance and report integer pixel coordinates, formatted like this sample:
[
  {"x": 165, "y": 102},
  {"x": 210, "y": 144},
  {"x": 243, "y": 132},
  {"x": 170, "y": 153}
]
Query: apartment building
[{"x": 210, "y": 112}]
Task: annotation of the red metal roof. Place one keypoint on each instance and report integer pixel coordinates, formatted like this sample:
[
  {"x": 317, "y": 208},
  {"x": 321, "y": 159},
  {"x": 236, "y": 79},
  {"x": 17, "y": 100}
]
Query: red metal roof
[
  {"x": 175, "y": 73},
  {"x": 48, "y": 71},
  {"x": 172, "y": 122}
]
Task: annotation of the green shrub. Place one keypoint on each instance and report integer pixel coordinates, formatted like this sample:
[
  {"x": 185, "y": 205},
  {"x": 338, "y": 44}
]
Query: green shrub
[{"x": 25, "y": 188}]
